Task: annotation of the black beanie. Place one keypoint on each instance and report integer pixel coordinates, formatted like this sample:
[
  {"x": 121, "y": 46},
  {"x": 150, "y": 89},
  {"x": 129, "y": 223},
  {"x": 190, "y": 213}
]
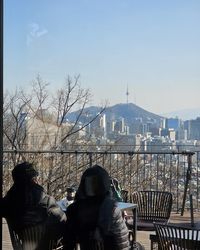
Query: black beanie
[{"x": 24, "y": 172}]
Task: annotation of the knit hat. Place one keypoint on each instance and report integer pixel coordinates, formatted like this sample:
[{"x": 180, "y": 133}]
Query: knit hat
[{"x": 24, "y": 172}]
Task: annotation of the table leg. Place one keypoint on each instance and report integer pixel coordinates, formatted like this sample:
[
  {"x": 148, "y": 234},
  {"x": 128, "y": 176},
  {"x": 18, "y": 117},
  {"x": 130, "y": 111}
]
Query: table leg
[{"x": 134, "y": 243}]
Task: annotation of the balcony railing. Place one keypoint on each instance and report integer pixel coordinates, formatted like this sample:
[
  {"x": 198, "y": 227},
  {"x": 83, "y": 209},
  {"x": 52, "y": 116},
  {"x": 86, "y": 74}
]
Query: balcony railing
[{"x": 167, "y": 171}]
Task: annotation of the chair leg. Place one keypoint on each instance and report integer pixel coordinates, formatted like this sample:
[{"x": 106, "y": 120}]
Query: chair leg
[{"x": 154, "y": 245}]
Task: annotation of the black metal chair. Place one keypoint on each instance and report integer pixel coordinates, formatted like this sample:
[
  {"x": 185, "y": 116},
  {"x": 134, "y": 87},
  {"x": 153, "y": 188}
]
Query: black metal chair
[
  {"x": 171, "y": 237},
  {"x": 32, "y": 238},
  {"x": 153, "y": 206}
]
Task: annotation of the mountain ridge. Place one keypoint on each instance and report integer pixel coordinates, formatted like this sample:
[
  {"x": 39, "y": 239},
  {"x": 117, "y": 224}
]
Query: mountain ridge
[
  {"x": 129, "y": 111},
  {"x": 132, "y": 111}
]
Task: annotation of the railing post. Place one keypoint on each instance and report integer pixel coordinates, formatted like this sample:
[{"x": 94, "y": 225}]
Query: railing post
[
  {"x": 188, "y": 187},
  {"x": 90, "y": 159}
]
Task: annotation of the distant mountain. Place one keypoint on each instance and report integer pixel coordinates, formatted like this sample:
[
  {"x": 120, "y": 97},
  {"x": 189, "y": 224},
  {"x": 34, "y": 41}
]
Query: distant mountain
[
  {"x": 129, "y": 112},
  {"x": 184, "y": 114}
]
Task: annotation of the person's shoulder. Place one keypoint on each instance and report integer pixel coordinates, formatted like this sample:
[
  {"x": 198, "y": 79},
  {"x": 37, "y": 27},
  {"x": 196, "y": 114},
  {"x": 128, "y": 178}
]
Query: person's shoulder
[
  {"x": 109, "y": 202},
  {"x": 78, "y": 205},
  {"x": 46, "y": 199},
  {"x": 117, "y": 212},
  {"x": 36, "y": 188}
]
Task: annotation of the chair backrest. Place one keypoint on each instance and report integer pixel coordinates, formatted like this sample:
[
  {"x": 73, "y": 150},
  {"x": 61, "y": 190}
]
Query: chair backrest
[
  {"x": 172, "y": 237},
  {"x": 153, "y": 205},
  {"x": 31, "y": 238}
]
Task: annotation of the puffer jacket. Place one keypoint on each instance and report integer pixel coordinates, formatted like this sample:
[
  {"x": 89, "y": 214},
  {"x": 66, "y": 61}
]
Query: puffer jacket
[
  {"x": 83, "y": 217},
  {"x": 112, "y": 225},
  {"x": 30, "y": 205},
  {"x": 88, "y": 213}
]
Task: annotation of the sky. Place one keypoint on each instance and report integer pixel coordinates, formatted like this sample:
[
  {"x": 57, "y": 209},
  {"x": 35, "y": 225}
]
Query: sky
[{"x": 150, "y": 46}]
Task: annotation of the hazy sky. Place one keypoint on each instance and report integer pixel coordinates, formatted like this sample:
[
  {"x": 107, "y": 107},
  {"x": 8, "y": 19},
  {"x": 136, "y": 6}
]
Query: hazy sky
[{"x": 153, "y": 46}]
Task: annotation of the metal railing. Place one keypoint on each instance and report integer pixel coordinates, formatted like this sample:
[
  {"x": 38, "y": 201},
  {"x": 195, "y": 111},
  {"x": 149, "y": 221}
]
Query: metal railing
[{"x": 167, "y": 171}]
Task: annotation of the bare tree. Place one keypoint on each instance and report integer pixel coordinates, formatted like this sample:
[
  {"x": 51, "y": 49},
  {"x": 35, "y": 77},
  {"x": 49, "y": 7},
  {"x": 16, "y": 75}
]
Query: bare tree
[
  {"x": 36, "y": 120},
  {"x": 14, "y": 117}
]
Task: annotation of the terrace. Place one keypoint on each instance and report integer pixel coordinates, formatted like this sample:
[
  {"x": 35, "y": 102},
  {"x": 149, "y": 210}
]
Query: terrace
[
  {"x": 142, "y": 236},
  {"x": 177, "y": 172}
]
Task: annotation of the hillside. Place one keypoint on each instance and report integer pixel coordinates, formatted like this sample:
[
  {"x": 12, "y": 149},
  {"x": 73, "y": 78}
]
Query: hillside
[
  {"x": 131, "y": 111},
  {"x": 128, "y": 111}
]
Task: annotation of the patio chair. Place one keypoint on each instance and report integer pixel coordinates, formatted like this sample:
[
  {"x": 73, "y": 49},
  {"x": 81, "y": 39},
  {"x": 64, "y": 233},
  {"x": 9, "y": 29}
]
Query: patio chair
[
  {"x": 171, "y": 237},
  {"x": 153, "y": 206},
  {"x": 32, "y": 238}
]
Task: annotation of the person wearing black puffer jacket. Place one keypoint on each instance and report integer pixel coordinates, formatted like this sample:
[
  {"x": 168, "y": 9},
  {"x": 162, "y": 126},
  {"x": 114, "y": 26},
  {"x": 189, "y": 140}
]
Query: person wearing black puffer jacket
[
  {"x": 26, "y": 204},
  {"x": 94, "y": 216}
]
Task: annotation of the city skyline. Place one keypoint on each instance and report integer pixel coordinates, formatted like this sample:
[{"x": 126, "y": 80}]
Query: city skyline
[{"x": 150, "y": 48}]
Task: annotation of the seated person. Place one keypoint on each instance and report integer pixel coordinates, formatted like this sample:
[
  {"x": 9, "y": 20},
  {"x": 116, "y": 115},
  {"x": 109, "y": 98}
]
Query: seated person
[
  {"x": 69, "y": 199},
  {"x": 94, "y": 215},
  {"x": 26, "y": 203},
  {"x": 115, "y": 189}
]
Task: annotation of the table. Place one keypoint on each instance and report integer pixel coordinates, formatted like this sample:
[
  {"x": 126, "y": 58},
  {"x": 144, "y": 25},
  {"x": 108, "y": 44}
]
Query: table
[
  {"x": 127, "y": 206},
  {"x": 63, "y": 204}
]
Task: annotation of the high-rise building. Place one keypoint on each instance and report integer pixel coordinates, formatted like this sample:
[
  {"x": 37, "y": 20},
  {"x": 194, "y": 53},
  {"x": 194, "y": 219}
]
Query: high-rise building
[
  {"x": 103, "y": 125},
  {"x": 173, "y": 123},
  {"x": 194, "y": 129}
]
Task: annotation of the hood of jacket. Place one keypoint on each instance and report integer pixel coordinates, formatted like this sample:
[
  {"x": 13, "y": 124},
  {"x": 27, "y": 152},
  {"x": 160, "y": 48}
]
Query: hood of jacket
[{"x": 95, "y": 182}]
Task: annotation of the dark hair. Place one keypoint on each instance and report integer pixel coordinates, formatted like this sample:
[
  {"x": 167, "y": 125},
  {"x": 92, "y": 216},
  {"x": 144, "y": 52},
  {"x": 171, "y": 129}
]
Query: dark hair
[
  {"x": 24, "y": 172},
  {"x": 71, "y": 189}
]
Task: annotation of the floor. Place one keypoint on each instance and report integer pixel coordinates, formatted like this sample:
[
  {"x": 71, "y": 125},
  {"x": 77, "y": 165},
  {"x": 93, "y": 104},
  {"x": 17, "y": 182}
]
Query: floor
[{"x": 142, "y": 236}]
